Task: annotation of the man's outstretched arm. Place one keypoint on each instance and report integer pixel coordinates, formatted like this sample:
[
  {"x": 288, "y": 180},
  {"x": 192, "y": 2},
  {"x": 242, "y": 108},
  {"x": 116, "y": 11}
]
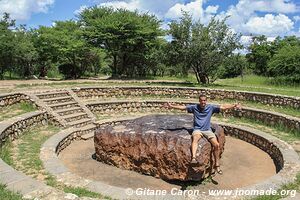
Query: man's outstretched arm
[
  {"x": 179, "y": 107},
  {"x": 225, "y": 107}
]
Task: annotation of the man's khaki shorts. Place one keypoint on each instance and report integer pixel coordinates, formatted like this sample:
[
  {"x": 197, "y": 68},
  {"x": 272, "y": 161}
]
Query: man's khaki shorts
[{"x": 207, "y": 134}]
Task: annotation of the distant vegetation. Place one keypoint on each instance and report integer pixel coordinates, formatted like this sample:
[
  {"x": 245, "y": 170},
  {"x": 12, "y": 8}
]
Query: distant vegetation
[{"x": 125, "y": 44}]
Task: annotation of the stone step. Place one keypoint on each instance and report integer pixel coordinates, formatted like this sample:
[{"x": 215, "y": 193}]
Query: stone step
[
  {"x": 75, "y": 116},
  {"x": 88, "y": 127},
  {"x": 80, "y": 123},
  {"x": 69, "y": 111},
  {"x": 64, "y": 105},
  {"x": 58, "y": 100},
  {"x": 89, "y": 131},
  {"x": 50, "y": 95},
  {"x": 87, "y": 136}
]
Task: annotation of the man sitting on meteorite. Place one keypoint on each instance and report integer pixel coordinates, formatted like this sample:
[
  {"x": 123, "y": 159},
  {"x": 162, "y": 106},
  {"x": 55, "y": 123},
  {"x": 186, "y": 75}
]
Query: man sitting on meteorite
[{"x": 202, "y": 127}]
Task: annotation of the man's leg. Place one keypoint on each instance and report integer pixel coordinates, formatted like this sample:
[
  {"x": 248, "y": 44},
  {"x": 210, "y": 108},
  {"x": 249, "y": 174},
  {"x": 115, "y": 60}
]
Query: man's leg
[
  {"x": 195, "y": 139},
  {"x": 216, "y": 153}
]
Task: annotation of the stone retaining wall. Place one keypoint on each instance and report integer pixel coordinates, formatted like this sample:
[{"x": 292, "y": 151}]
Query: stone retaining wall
[
  {"x": 186, "y": 92},
  {"x": 9, "y": 99},
  {"x": 285, "y": 158},
  {"x": 17, "y": 181},
  {"x": 258, "y": 141},
  {"x": 72, "y": 134},
  {"x": 14, "y": 127},
  {"x": 267, "y": 117}
]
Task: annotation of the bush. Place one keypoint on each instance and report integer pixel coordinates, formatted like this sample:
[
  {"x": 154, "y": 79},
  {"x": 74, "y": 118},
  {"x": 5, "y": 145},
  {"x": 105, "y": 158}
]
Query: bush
[
  {"x": 70, "y": 71},
  {"x": 285, "y": 65},
  {"x": 106, "y": 70},
  {"x": 53, "y": 72}
]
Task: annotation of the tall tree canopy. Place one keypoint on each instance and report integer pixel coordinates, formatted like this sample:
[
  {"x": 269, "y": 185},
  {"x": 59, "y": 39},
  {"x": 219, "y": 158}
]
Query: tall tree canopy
[
  {"x": 260, "y": 54},
  {"x": 127, "y": 36},
  {"x": 202, "y": 48},
  {"x": 7, "y": 45},
  {"x": 285, "y": 64}
]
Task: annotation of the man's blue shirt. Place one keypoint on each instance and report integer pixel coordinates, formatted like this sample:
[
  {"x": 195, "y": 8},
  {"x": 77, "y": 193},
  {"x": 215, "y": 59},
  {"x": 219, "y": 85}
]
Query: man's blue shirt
[{"x": 202, "y": 116}]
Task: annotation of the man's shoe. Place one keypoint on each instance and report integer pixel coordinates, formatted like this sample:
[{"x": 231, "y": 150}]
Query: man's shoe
[
  {"x": 194, "y": 161},
  {"x": 218, "y": 170}
]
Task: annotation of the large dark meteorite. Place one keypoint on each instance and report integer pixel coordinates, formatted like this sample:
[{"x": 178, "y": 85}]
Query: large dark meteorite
[{"x": 156, "y": 145}]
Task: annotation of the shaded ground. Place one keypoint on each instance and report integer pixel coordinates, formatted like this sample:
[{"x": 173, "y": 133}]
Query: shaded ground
[{"x": 243, "y": 164}]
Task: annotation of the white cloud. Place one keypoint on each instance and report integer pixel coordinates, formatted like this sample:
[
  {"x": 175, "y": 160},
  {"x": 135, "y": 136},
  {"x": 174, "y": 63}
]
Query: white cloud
[
  {"x": 269, "y": 25},
  {"x": 157, "y": 7},
  {"x": 82, "y": 8},
  {"x": 195, "y": 8},
  {"x": 22, "y": 9},
  {"x": 212, "y": 9},
  {"x": 278, "y": 6},
  {"x": 243, "y": 16},
  {"x": 131, "y": 5},
  {"x": 296, "y": 18}
]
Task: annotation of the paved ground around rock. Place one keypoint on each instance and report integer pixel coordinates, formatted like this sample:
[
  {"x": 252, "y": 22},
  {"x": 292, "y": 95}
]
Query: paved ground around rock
[{"x": 243, "y": 164}]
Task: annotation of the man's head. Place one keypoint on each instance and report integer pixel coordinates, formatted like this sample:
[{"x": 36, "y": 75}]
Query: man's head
[{"x": 202, "y": 100}]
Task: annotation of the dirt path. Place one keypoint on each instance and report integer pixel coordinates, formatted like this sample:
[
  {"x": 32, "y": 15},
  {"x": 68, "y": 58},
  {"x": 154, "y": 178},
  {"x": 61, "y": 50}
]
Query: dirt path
[{"x": 243, "y": 164}]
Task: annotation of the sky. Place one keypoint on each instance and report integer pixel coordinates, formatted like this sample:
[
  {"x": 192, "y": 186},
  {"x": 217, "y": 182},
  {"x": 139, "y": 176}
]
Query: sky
[{"x": 248, "y": 17}]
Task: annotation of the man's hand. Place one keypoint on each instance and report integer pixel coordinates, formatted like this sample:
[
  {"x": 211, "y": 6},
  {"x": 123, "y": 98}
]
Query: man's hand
[
  {"x": 225, "y": 107},
  {"x": 167, "y": 105},
  {"x": 175, "y": 106}
]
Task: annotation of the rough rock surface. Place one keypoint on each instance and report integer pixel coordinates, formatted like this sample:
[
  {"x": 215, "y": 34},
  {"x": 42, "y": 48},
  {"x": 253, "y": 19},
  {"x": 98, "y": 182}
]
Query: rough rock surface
[{"x": 156, "y": 145}]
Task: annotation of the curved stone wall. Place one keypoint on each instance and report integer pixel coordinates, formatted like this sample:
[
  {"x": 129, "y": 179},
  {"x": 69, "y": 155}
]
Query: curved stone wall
[
  {"x": 13, "y": 98},
  {"x": 257, "y": 140},
  {"x": 14, "y": 127},
  {"x": 285, "y": 158},
  {"x": 17, "y": 181},
  {"x": 270, "y": 118},
  {"x": 186, "y": 92}
]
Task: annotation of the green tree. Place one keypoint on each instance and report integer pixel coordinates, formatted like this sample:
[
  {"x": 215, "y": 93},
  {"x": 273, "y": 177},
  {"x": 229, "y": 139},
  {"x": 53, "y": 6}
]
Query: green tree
[
  {"x": 126, "y": 36},
  {"x": 45, "y": 42},
  {"x": 156, "y": 58},
  {"x": 178, "y": 49},
  {"x": 285, "y": 64},
  {"x": 261, "y": 52},
  {"x": 233, "y": 66},
  {"x": 7, "y": 44},
  {"x": 25, "y": 54},
  {"x": 74, "y": 53},
  {"x": 203, "y": 48}
]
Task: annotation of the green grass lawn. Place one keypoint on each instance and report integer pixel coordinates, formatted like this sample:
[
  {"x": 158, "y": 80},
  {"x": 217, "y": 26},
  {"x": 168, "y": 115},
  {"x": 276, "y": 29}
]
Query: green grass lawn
[
  {"x": 248, "y": 83},
  {"x": 258, "y": 84},
  {"x": 15, "y": 110}
]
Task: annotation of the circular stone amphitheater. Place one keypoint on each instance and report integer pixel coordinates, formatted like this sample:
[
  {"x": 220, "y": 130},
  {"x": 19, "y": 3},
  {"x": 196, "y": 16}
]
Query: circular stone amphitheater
[{"x": 121, "y": 142}]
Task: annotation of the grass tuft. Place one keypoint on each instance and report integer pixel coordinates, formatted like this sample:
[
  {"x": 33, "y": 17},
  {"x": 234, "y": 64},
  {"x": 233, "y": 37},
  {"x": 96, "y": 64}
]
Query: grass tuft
[
  {"x": 15, "y": 110},
  {"x": 6, "y": 194}
]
